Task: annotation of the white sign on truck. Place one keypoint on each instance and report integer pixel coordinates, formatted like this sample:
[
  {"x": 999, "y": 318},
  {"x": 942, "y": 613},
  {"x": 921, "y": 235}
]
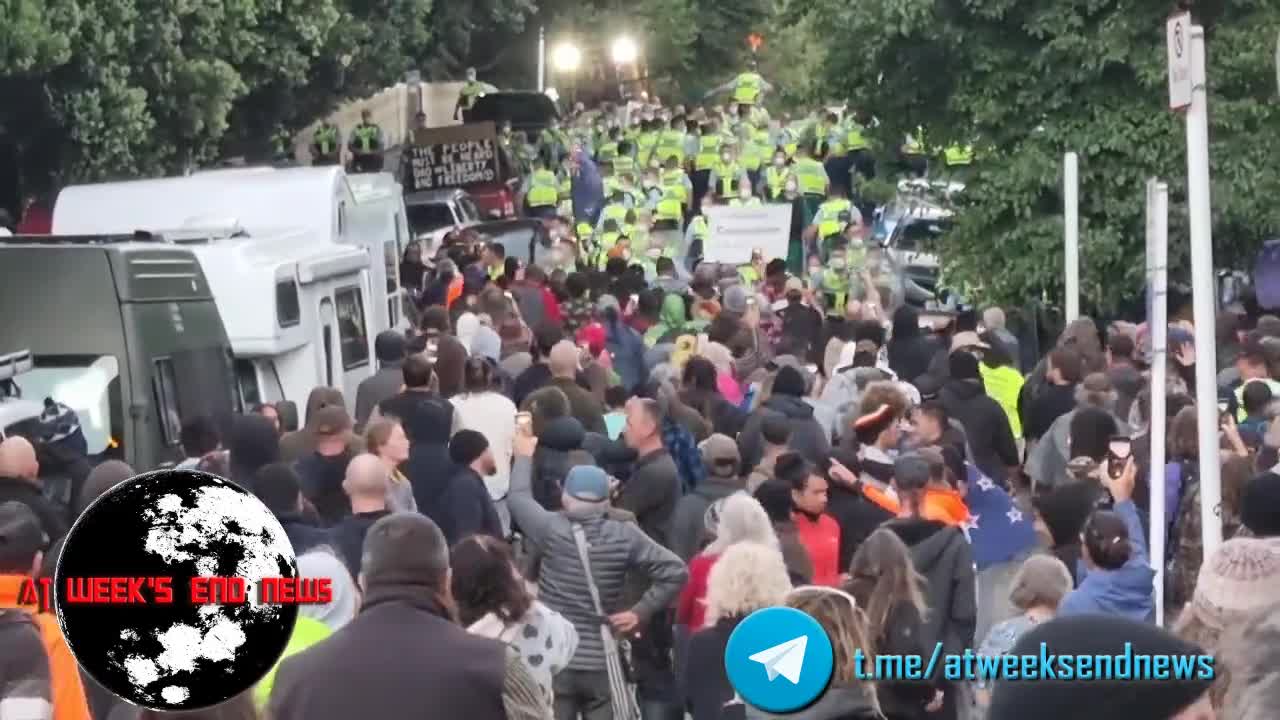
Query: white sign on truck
[{"x": 737, "y": 231}]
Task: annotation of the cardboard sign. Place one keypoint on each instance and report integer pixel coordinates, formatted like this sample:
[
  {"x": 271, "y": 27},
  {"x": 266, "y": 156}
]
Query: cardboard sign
[
  {"x": 736, "y": 231},
  {"x": 460, "y": 156}
]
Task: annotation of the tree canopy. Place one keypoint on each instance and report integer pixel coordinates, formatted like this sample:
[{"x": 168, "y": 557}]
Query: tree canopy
[{"x": 1027, "y": 81}]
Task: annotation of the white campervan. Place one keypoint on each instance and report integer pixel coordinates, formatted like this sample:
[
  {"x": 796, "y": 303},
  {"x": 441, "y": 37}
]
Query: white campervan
[{"x": 320, "y": 250}]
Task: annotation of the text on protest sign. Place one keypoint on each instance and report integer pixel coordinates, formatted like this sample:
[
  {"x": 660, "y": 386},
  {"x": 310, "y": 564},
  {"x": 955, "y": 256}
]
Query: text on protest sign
[
  {"x": 734, "y": 232},
  {"x": 459, "y": 156}
]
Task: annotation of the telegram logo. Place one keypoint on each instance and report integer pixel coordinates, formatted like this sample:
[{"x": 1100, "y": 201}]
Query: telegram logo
[{"x": 778, "y": 659}]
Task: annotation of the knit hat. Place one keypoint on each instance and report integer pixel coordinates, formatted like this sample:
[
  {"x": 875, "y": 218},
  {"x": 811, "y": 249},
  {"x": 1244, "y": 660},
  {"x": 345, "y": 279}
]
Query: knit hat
[
  {"x": 735, "y": 300},
  {"x": 911, "y": 471},
  {"x": 1240, "y": 577},
  {"x": 963, "y": 365},
  {"x": 402, "y": 549},
  {"x": 1108, "y": 635},
  {"x": 868, "y": 427},
  {"x": 587, "y": 483},
  {"x": 1260, "y": 505},
  {"x": 789, "y": 381},
  {"x": 57, "y": 421},
  {"x": 720, "y": 455},
  {"x": 466, "y": 446},
  {"x": 21, "y": 537}
]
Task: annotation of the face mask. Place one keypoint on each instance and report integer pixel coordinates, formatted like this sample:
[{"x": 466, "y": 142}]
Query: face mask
[
  {"x": 780, "y": 161},
  {"x": 626, "y": 255},
  {"x": 655, "y": 163},
  {"x": 745, "y": 194},
  {"x": 650, "y": 181},
  {"x": 791, "y": 187},
  {"x": 727, "y": 158}
]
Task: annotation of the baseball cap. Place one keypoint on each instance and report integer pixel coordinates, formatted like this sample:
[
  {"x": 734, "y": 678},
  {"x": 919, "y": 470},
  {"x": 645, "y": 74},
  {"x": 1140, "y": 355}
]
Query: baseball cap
[
  {"x": 720, "y": 455},
  {"x": 21, "y": 535},
  {"x": 332, "y": 420},
  {"x": 587, "y": 483}
]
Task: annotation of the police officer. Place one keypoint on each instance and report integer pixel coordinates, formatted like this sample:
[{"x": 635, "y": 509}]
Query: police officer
[
  {"x": 708, "y": 156},
  {"x": 543, "y": 192},
  {"x": 326, "y": 144},
  {"x": 671, "y": 141},
  {"x": 471, "y": 91},
  {"x": 728, "y": 175},
  {"x": 915, "y": 154},
  {"x": 675, "y": 181},
  {"x": 832, "y": 216},
  {"x": 856, "y": 144},
  {"x": 366, "y": 144},
  {"x": 958, "y": 159},
  {"x": 776, "y": 175},
  {"x": 748, "y": 87},
  {"x": 811, "y": 176},
  {"x": 745, "y": 197},
  {"x": 281, "y": 146}
]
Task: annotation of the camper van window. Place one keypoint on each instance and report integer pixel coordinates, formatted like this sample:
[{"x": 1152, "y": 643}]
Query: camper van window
[
  {"x": 288, "y": 312},
  {"x": 247, "y": 381},
  {"x": 89, "y": 385},
  {"x": 342, "y": 218},
  {"x": 352, "y": 333},
  {"x": 391, "y": 258},
  {"x": 165, "y": 385}
]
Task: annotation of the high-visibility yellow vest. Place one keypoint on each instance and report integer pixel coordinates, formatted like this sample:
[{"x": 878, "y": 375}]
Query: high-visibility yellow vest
[
  {"x": 584, "y": 232},
  {"x": 853, "y": 137},
  {"x": 750, "y": 276},
  {"x": 543, "y": 189},
  {"x": 728, "y": 175},
  {"x": 752, "y": 201},
  {"x": 645, "y": 145},
  {"x": 673, "y": 183},
  {"x": 698, "y": 227},
  {"x": 613, "y": 211},
  {"x": 669, "y": 208},
  {"x": 326, "y": 139},
  {"x": 958, "y": 155},
  {"x": 624, "y": 164},
  {"x": 671, "y": 144},
  {"x": 747, "y": 88},
  {"x": 608, "y": 151},
  {"x": 366, "y": 137},
  {"x": 751, "y": 157},
  {"x": 708, "y": 152},
  {"x": 827, "y": 217},
  {"x": 775, "y": 180},
  {"x": 811, "y": 177},
  {"x": 565, "y": 186}
]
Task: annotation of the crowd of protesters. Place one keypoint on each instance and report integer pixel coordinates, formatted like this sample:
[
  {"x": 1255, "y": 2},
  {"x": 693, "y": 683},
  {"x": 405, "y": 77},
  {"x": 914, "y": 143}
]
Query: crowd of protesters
[{"x": 560, "y": 494}]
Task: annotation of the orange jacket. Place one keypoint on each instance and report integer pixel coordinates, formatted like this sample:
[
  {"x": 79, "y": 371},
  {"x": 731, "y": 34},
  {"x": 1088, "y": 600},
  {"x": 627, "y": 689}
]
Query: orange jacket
[
  {"x": 942, "y": 505},
  {"x": 68, "y": 693}
]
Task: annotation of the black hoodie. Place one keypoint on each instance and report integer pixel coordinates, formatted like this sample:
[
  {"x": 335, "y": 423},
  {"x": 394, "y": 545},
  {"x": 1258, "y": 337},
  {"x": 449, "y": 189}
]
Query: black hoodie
[
  {"x": 910, "y": 350},
  {"x": 942, "y": 554},
  {"x": 551, "y": 463},
  {"x": 986, "y": 427},
  {"x": 808, "y": 439}
]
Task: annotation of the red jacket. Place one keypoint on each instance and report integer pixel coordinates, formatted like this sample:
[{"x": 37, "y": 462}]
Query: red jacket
[
  {"x": 691, "y": 610},
  {"x": 822, "y": 539}
]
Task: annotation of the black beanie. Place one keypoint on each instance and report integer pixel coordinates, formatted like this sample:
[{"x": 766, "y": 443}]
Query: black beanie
[
  {"x": 1260, "y": 505},
  {"x": 466, "y": 446},
  {"x": 963, "y": 365},
  {"x": 1058, "y": 699},
  {"x": 789, "y": 382}
]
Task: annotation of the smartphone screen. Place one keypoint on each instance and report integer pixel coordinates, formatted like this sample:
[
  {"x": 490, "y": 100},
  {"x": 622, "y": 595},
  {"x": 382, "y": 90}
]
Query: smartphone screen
[
  {"x": 524, "y": 422},
  {"x": 1118, "y": 452}
]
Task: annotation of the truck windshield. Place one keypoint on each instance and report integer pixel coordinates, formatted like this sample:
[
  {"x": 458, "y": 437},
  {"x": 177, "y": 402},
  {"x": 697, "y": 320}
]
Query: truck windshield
[
  {"x": 89, "y": 385},
  {"x": 429, "y": 217}
]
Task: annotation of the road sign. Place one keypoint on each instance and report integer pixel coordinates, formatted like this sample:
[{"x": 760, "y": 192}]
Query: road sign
[{"x": 1178, "y": 36}]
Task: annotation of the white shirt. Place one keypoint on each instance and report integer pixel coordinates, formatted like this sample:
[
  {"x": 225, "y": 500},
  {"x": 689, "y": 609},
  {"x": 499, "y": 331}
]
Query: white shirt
[{"x": 494, "y": 416}]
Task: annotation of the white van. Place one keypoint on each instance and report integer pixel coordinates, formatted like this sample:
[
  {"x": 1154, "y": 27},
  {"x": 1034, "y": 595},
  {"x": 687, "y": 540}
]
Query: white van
[{"x": 362, "y": 210}]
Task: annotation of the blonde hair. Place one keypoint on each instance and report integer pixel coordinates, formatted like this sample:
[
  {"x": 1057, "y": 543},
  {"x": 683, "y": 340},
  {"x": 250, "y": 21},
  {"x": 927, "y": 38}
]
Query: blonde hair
[
  {"x": 378, "y": 433},
  {"x": 1040, "y": 580},
  {"x": 845, "y": 624},
  {"x": 742, "y": 519},
  {"x": 747, "y": 577}
]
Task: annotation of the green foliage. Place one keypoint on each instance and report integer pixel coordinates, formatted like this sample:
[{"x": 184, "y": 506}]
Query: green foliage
[
  {"x": 1028, "y": 81},
  {"x": 115, "y": 88}
]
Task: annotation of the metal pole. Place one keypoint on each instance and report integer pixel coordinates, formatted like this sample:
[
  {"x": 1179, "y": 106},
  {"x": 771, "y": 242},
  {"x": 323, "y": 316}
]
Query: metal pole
[
  {"x": 542, "y": 59},
  {"x": 1158, "y": 324},
  {"x": 1203, "y": 300},
  {"x": 1071, "y": 223}
]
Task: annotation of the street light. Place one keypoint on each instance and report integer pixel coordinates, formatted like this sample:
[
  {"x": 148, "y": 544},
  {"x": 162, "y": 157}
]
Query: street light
[
  {"x": 624, "y": 51},
  {"x": 566, "y": 57}
]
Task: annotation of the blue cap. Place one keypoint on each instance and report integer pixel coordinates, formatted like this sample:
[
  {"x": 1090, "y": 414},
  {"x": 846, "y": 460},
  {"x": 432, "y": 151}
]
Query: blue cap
[{"x": 587, "y": 483}]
